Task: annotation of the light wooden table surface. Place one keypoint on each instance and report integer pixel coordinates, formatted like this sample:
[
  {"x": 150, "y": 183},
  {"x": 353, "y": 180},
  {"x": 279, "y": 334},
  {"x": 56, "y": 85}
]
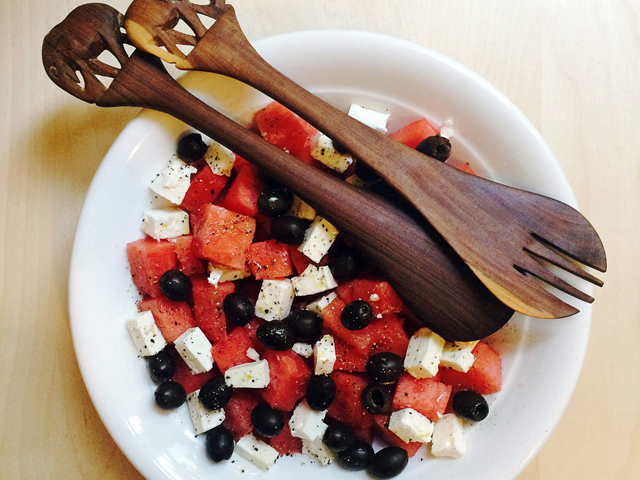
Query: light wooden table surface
[{"x": 573, "y": 67}]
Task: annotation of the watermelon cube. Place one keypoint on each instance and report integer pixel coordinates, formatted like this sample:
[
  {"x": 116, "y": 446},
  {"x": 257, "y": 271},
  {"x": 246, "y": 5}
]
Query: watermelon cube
[
  {"x": 347, "y": 406},
  {"x": 238, "y": 413},
  {"x": 222, "y": 236},
  {"x": 484, "y": 376},
  {"x": 188, "y": 263},
  {"x": 348, "y": 358},
  {"x": 204, "y": 189},
  {"x": 389, "y": 335},
  {"x": 269, "y": 260},
  {"x": 207, "y": 306},
  {"x": 427, "y": 396},
  {"x": 244, "y": 191},
  {"x": 414, "y": 133},
  {"x": 172, "y": 318},
  {"x": 148, "y": 260},
  {"x": 289, "y": 375},
  {"x": 232, "y": 350}
]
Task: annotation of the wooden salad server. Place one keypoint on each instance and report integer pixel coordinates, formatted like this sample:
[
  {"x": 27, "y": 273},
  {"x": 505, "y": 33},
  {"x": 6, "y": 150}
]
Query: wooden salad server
[
  {"x": 505, "y": 235},
  {"x": 431, "y": 279}
]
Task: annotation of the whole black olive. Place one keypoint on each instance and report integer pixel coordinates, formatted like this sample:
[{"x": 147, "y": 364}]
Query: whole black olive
[
  {"x": 435, "y": 146},
  {"x": 215, "y": 394},
  {"x": 320, "y": 392},
  {"x": 219, "y": 444},
  {"x": 306, "y": 324},
  {"x": 175, "y": 285},
  {"x": 289, "y": 230},
  {"x": 377, "y": 398},
  {"x": 161, "y": 366},
  {"x": 276, "y": 335},
  {"x": 357, "y": 457},
  {"x": 346, "y": 265},
  {"x": 388, "y": 462},
  {"x": 385, "y": 367},
  {"x": 267, "y": 421},
  {"x": 238, "y": 309},
  {"x": 470, "y": 405},
  {"x": 191, "y": 148},
  {"x": 273, "y": 202},
  {"x": 356, "y": 315},
  {"x": 170, "y": 395},
  {"x": 338, "y": 437}
]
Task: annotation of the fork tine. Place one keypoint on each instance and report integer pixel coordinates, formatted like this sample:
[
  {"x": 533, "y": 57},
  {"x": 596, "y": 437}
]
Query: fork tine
[
  {"x": 531, "y": 266},
  {"x": 546, "y": 253}
]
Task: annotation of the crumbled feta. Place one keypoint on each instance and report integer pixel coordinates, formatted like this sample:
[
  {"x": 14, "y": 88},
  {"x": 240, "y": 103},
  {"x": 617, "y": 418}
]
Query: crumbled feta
[
  {"x": 374, "y": 297},
  {"x": 301, "y": 209},
  {"x": 411, "y": 426},
  {"x": 163, "y": 223},
  {"x": 256, "y": 451},
  {"x": 318, "y": 450},
  {"x": 303, "y": 349},
  {"x": 203, "y": 419},
  {"x": 195, "y": 349},
  {"x": 375, "y": 120},
  {"x": 221, "y": 273},
  {"x": 173, "y": 181},
  {"x": 274, "y": 300},
  {"x": 145, "y": 334},
  {"x": 306, "y": 423},
  {"x": 423, "y": 353},
  {"x": 458, "y": 356},
  {"x": 448, "y": 437},
  {"x": 324, "y": 355},
  {"x": 318, "y": 239},
  {"x": 318, "y": 305},
  {"x": 324, "y": 151},
  {"x": 220, "y": 159},
  {"x": 314, "y": 280},
  {"x": 252, "y": 354},
  {"x": 248, "y": 375}
]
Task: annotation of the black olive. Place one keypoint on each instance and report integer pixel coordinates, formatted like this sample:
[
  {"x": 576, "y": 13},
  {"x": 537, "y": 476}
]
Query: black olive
[
  {"x": 273, "y": 202},
  {"x": 470, "y": 405},
  {"x": 215, "y": 394},
  {"x": 385, "y": 367},
  {"x": 170, "y": 395},
  {"x": 238, "y": 309},
  {"x": 388, "y": 462},
  {"x": 306, "y": 324},
  {"x": 276, "y": 335},
  {"x": 161, "y": 366},
  {"x": 435, "y": 146},
  {"x": 191, "y": 148},
  {"x": 357, "y": 457},
  {"x": 338, "y": 437},
  {"x": 346, "y": 265},
  {"x": 365, "y": 172},
  {"x": 219, "y": 444},
  {"x": 320, "y": 392},
  {"x": 289, "y": 230},
  {"x": 175, "y": 285},
  {"x": 356, "y": 315},
  {"x": 377, "y": 398},
  {"x": 267, "y": 421}
]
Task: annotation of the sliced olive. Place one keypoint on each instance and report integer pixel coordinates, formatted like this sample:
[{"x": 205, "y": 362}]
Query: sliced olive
[{"x": 377, "y": 398}]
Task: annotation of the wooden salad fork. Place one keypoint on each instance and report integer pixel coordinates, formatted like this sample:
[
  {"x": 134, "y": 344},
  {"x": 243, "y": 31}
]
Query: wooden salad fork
[
  {"x": 505, "y": 235},
  {"x": 432, "y": 280}
]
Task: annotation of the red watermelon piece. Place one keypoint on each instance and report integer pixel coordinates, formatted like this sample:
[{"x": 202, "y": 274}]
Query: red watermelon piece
[
  {"x": 232, "y": 350},
  {"x": 465, "y": 167},
  {"x": 148, "y": 260},
  {"x": 172, "y": 318},
  {"x": 347, "y": 406},
  {"x": 289, "y": 375},
  {"x": 383, "y": 299},
  {"x": 188, "y": 263},
  {"x": 269, "y": 260},
  {"x": 348, "y": 358},
  {"x": 207, "y": 306},
  {"x": 484, "y": 376},
  {"x": 238, "y": 412},
  {"x": 427, "y": 396},
  {"x": 414, "y": 133},
  {"x": 205, "y": 188},
  {"x": 251, "y": 329},
  {"x": 244, "y": 191},
  {"x": 361, "y": 340},
  {"x": 188, "y": 380},
  {"x": 390, "y": 336}
]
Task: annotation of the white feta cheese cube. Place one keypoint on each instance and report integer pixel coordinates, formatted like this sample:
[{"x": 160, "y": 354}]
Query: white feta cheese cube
[
  {"x": 219, "y": 158},
  {"x": 458, "y": 356},
  {"x": 446, "y": 130},
  {"x": 303, "y": 349},
  {"x": 318, "y": 239},
  {"x": 324, "y": 151},
  {"x": 253, "y": 355},
  {"x": 318, "y": 450},
  {"x": 163, "y": 223},
  {"x": 306, "y": 423},
  {"x": 195, "y": 349},
  {"x": 173, "y": 181},
  {"x": 222, "y": 273},
  {"x": 324, "y": 355},
  {"x": 375, "y": 120},
  {"x": 411, "y": 426},
  {"x": 313, "y": 280},
  {"x": 448, "y": 437},
  {"x": 145, "y": 334},
  {"x": 423, "y": 353},
  {"x": 203, "y": 419},
  {"x": 248, "y": 375},
  {"x": 301, "y": 209},
  {"x": 318, "y": 305},
  {"x": 274, "y": 300},
  {"x": 256, "y": 451}
]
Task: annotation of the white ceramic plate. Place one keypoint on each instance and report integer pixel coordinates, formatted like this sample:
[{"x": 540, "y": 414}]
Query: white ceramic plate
[{"x": 541, "y": 359}]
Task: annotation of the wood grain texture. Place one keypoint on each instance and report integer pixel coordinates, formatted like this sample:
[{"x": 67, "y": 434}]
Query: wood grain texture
[{"x": 571, "y": 67}]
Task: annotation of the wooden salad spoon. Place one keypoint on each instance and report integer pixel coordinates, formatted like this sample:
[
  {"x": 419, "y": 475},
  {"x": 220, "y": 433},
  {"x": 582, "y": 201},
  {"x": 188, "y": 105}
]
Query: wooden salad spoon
[
  {"x": 430, "y": 278},
  {"x": 505, "y": 235}
]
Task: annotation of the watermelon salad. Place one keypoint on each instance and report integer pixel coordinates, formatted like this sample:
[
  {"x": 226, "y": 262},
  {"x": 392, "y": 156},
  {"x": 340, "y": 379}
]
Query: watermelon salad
[{"x": 279, "y": 337}]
